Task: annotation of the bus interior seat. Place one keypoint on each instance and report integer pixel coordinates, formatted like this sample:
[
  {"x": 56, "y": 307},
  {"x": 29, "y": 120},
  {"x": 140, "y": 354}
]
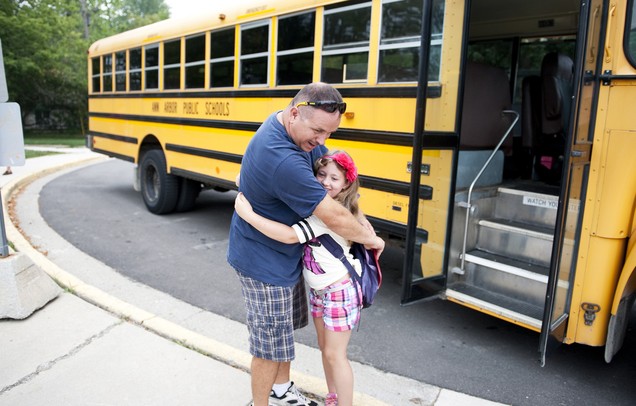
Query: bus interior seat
[
  {"x": 545, "y": 115},
  {"x": 486, "y": 95}
]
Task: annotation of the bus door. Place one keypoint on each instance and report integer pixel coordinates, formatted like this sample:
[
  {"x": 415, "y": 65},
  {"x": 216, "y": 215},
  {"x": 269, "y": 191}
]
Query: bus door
[
  {"x": 430, "y": 167},
  {"x": 574, "y": 178}
]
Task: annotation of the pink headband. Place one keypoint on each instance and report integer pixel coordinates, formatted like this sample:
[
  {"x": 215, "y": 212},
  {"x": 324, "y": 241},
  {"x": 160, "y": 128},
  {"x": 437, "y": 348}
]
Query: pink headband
[{"x": 351, "y": 173}]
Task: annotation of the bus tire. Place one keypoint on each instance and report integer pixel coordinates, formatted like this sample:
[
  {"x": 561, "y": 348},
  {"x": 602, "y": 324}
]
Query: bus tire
[
  {"x": 188, "y": 192},
  {"x": 159, "y": 189}
]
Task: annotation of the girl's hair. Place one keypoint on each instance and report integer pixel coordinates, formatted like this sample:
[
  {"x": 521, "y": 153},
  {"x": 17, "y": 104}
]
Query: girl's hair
[{"x": 348, "y": 196}]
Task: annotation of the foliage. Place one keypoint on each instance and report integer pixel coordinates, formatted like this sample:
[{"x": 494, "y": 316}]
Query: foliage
[{"x": 44, "y": 44}]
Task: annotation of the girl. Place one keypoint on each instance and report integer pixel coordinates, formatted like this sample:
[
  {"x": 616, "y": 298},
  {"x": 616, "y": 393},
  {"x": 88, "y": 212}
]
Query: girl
[{"x": 334, "y": 301}]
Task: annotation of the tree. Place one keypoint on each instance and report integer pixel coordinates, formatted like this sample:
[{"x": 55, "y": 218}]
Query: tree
[{"x": 44, "y": 44}]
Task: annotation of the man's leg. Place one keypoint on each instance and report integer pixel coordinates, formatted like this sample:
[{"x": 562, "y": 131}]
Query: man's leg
[
  {"x": 264, "y": 372},
  {"x": 283, "y": 375}
]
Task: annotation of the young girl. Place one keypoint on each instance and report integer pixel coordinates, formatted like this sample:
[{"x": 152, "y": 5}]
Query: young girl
[{"x": 334, "y": 301}]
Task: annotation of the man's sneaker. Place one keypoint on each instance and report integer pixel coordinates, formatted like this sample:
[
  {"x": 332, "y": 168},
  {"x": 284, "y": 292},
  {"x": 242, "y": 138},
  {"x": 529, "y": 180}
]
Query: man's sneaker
[{"x": 291, "y": 397}]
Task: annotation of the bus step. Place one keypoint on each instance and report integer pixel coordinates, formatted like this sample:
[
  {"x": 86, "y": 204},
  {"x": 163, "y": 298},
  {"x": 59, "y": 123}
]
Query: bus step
[
  {"x": 507, "y": 276},
  {"x": 531, "y": 205},
  {"x": 529, "y": 243},
  {"x": 497, "y": 305}
]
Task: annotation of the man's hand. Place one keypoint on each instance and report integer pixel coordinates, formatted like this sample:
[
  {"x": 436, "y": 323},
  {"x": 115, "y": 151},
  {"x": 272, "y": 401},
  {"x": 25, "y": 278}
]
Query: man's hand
[
  {"x": 377, "y": 245},
  {"x": 362, "y": 219}
]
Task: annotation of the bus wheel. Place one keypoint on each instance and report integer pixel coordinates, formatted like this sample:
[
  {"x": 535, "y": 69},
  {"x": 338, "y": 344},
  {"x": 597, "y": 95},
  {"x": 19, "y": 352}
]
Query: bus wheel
[
  {"x": 188, "y": 192},
  {"x": 159, "y": 190}
]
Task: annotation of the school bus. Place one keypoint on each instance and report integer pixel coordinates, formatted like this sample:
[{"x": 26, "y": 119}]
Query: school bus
[{"x": 495, "y": 139}]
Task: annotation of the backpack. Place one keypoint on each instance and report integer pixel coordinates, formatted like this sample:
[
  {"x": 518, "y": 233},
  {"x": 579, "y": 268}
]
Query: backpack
[{"x": 371, "y": 277}]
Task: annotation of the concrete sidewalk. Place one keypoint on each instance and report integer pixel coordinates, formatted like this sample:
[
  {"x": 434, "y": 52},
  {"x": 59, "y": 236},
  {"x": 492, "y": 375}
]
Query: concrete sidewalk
[{"x": 110, "y": 340}]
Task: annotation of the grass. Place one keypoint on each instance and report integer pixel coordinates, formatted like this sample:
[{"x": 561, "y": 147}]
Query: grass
[
  {"x": 67, "y": 139},
  {"x": 64, "y": 139}
]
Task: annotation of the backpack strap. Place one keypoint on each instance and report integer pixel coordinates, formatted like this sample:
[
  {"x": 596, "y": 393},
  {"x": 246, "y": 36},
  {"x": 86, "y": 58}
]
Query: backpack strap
[{"x": 336, "y": 250}]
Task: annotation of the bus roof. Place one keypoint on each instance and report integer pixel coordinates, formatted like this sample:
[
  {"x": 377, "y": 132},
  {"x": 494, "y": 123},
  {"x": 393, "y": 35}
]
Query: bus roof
[{"x": 213, "y": 16}]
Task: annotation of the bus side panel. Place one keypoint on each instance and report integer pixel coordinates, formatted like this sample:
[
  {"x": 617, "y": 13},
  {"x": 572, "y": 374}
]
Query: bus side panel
[{"x": 612, "y": 205}]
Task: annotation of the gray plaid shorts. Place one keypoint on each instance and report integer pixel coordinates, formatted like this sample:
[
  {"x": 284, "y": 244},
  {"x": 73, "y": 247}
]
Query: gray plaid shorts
[{"x": 273, "y": 312}]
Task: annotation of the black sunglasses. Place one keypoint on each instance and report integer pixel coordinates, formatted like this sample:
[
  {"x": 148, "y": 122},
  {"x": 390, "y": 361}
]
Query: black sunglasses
[{"x": 328, "y": 106}]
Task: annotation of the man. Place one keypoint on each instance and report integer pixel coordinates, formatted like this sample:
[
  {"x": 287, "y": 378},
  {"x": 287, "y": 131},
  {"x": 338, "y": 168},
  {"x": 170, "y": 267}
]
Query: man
[{"x": 278, "y": 180}]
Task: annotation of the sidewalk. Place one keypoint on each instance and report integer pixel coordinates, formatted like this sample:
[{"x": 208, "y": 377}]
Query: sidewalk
[{"x": 110, "y": 340}]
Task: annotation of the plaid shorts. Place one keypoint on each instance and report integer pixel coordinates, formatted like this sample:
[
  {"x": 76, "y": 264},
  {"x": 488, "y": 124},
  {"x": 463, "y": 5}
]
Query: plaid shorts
[
  {"x": 273, "y": 312},
  {"x": 337, "y": 305}
]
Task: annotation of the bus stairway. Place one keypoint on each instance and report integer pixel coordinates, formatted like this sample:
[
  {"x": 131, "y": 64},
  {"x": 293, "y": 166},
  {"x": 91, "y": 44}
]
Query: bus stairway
[{"x": 506, "y": 265}]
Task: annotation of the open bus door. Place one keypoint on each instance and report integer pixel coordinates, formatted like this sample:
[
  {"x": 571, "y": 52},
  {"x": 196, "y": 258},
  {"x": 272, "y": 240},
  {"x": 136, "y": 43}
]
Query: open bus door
[
  {"x": 574, "y": 178},
  {"x": 419, "y": 283}
]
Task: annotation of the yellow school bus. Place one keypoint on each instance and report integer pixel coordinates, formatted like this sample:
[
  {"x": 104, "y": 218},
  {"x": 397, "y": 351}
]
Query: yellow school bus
[{"x": 495, "y": 139}]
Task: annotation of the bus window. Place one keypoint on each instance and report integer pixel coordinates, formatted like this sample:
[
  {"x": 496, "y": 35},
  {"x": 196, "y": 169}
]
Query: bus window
[
  {"x": 630, "y": 34},
  {"x": 120, "y": 71},
  {"x": 531, "y": 52},
  {"x": 108, "y": 73},
  {"x": 134, "y": 69},
  {"x": 96, "y": 74},
  {"x": 152, "y": 67},
  {"x": 295, "y": 49},
  {"x": 254, "y": 53},
  {"x": 172, "y": 64},
  {"x": 346, "y": 43},
  {"x": 195, "y": 62},
  {"x": 222, "y": 58},
  {"x": 400, "y": 40}
]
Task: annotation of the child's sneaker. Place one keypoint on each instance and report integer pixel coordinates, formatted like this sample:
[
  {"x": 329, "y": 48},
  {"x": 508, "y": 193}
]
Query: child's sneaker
[
  {"x": 331, "y": 399},
  {"x": 291, "y": 397}
]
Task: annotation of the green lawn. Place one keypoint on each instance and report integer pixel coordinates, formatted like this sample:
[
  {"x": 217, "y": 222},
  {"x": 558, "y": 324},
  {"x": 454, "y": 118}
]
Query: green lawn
[{"x": 63, "y": 139}]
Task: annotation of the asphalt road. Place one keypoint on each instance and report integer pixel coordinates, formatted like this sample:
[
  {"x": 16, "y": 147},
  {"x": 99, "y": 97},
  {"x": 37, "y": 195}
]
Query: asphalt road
[{"x": 438, "y": 342}]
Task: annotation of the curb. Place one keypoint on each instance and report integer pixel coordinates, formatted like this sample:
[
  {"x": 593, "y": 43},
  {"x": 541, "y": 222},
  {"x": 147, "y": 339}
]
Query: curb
[{"x": 214, "y": 349}]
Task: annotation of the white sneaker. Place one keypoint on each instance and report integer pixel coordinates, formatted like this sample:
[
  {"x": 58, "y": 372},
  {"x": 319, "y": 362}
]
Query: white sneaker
[{"x": 291, "y": 397}]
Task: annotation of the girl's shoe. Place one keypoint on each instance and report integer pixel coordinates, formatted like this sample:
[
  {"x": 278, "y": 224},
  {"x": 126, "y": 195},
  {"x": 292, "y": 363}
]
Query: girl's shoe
[{"x": 331, "y": 399}]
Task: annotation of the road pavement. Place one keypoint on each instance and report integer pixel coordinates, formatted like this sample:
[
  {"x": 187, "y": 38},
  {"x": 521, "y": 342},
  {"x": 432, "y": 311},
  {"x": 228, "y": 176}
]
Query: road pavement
[{"x": 109, "y": 340}]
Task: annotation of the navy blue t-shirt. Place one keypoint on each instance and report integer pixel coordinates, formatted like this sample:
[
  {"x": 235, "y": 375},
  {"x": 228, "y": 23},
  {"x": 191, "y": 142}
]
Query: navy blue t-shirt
[{"x": 278, "y": 180}]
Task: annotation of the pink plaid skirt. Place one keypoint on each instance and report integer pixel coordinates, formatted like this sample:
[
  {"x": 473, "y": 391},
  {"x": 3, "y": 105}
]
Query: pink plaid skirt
[{"x": 337, "y": 305}]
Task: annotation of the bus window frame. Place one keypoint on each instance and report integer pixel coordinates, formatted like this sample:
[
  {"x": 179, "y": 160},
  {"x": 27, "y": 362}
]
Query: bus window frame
[
  {"x": 295, "y": 51},
  {"x": 96, "y": 76},
  {"x": 121, "y": 72},
  {"x": 152, "y": 68},
  {"x": 136, "y": 70},
  {"x": 246, "y": 57},
  {"x": 412, "y": 42},
  {"x": 350, "y": 48},
  {"x": 107, "y": 76},
  {"x": 630, "y": 27},
  {"x": 193, "y": 64},
  {"x": 171, "y": 67},
  {"x": 229, "y": 58}
]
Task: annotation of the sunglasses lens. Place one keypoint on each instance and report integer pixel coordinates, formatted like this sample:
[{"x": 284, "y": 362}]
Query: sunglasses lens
[{"x": 331, "y": 107}]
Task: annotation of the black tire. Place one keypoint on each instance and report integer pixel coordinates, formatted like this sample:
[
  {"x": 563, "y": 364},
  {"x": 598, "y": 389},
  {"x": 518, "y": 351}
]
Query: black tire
[
  {"x": 188, "y": 192},
  {"x": 159, "y": 190}
]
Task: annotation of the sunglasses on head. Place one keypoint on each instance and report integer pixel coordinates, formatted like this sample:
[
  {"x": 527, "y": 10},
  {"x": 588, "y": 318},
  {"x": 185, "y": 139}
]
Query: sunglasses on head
[{"x": 328, "y": 106}]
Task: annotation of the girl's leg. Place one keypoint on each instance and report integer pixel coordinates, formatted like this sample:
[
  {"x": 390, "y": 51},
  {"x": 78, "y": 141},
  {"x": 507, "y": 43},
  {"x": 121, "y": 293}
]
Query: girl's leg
[
  {"x": 334, "y": 355},
  {"x": 320, "y": 332}
]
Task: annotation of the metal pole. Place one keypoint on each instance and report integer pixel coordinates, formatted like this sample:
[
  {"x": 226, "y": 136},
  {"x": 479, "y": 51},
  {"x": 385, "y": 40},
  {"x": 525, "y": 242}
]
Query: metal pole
[{"x": 4, "y": 250}]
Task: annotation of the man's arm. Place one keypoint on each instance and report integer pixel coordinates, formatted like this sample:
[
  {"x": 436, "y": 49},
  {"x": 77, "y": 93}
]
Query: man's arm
[{"x": 342, "y": 222}]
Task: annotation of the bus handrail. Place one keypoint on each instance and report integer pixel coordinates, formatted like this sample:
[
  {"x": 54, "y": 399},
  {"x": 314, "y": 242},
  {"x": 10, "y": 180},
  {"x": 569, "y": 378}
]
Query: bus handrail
[{"x": 467, "y": 204}]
